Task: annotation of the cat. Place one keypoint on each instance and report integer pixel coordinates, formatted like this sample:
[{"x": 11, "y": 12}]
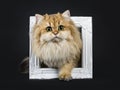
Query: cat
[{"x": 56, "y": 42}]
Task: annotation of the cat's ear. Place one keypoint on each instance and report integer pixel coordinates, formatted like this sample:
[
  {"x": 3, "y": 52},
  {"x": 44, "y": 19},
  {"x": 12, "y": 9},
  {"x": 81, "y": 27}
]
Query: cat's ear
[
  {"x": 66, "y": 13},
  {"x": 38, "y": 18}
]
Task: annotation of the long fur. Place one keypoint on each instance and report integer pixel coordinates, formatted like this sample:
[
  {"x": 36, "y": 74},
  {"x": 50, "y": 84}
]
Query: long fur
[
  {"x": 56, "y": 54},
  {"x": 61, "y": 50}
]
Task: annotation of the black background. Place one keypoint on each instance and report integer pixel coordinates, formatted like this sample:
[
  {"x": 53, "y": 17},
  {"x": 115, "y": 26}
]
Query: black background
[{"x": 14, "y": 42}]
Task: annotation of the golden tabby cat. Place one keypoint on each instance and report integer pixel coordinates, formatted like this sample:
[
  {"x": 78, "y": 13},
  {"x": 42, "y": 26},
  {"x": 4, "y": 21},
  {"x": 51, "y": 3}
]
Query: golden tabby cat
[{"x": 56, "y": 42}]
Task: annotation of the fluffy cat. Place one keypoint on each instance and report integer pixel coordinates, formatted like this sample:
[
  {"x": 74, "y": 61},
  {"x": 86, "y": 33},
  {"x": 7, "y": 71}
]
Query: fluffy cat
[{"x": 56, "y": 42}]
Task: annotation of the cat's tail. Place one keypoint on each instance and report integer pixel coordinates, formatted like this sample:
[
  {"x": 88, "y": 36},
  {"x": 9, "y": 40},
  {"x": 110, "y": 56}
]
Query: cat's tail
[{"x": 24, "y": 66}]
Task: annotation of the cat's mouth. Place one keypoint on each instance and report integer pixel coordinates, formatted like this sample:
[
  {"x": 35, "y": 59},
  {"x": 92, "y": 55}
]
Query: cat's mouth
[{"x": 56, "y": 39}]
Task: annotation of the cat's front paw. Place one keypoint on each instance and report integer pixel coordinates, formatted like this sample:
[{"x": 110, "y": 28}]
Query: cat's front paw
[{"x": 65, "y": 76}]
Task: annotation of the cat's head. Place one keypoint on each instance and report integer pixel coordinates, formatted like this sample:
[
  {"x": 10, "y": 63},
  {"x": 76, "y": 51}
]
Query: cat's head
[{"x": 54, "y": 27}]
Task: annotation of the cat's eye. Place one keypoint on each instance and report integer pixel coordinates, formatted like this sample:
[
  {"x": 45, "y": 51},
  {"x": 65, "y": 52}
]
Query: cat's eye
[
  {"x": 61, "y": 27},
  {"x": 49, "y": 28}
]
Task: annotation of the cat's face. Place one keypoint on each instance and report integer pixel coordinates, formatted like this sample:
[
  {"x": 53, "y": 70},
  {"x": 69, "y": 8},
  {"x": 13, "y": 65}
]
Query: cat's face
[{"x": 54, "y": 28}]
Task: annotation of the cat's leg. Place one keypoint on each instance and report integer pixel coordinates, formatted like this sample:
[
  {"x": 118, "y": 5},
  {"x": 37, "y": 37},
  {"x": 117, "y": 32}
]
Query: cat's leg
[{"x": 65, "y": 71}]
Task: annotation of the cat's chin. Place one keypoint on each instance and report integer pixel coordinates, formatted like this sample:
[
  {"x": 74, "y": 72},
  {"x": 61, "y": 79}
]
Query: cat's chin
[{"x": 56, "y": 40}]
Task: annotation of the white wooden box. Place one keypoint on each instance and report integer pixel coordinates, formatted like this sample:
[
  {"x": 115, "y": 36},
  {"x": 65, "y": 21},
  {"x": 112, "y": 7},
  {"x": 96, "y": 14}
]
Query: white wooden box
[{"x": 35, "y": 72}]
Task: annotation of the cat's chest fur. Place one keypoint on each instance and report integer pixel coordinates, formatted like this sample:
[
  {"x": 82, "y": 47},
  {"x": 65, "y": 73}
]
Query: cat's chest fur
[{"x": 56, "y": 54}]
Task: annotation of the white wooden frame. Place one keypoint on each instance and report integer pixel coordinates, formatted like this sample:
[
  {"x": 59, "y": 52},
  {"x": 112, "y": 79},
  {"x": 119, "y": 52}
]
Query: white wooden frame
[{"x": 35, "y": 72}]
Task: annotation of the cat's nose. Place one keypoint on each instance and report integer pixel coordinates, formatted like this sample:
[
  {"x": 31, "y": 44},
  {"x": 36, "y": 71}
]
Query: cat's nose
[{"x": 55, "y": 32}]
